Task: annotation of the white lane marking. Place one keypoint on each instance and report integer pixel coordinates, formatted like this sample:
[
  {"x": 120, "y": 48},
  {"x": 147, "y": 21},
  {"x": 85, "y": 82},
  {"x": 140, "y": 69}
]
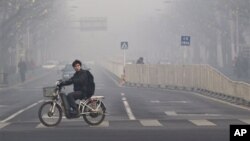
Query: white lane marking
[
  {"x": 150, "y": 122},
  {"x": 103, "y": 124},
  {"x": 128, "y": 109},
  {"x": 20, "y": 111},
  {"x": 202, "y": 122},
  {"x": 155, "y": 101},
  {"x": 122, "y": 94},
  {"x": 247, "y": 121},
  {"x": 63, "y": 118},
  {"x": 54, "y": 117},
  {"x": 2, "y": 125},
  {"x": 211, "y": 115},
  {"x": 40, "y": 125},
  {"x": 176, "y": 102},
  {"x": 171, "y": 113}
]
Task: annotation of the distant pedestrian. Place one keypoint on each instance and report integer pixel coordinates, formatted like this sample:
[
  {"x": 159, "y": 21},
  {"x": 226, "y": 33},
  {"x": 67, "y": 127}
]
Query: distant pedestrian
[
  {"x": 140, "y": 61},
  {"x": 22, "y": 67}
]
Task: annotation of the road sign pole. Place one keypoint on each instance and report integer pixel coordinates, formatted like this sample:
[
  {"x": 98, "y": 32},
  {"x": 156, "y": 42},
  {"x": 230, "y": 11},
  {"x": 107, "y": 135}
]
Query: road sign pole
[
  {"x": 124, "y": 58},
  {"x": 185, "y": 55},
  {"x": 124, "y": 47},
  {"x": 185, "y": 42}
]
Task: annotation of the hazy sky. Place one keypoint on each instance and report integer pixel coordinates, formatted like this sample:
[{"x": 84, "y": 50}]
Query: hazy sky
[{"x": 127, "y": 20}]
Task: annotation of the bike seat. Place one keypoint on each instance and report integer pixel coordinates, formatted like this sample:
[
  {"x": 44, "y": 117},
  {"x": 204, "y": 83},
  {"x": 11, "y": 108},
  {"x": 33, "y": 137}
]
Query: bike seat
[{"x": 97, "y": 97}]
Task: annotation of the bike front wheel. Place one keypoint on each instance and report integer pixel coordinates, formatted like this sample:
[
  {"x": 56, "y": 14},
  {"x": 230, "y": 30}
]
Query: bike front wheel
[
  {"x": 50, "y": 115},
  {"x": 94, "y": 112}
]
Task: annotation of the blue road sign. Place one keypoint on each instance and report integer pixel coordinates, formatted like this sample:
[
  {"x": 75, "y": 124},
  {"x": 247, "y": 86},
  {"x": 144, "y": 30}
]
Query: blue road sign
[
  {"x": 124, "y": 45},
  {"x": 185, "y": 40}
]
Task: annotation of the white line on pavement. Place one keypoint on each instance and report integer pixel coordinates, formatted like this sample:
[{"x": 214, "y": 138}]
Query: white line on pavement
[
  {"x": 128, "y": 109},
  {"x": 202, "y": 123},
  {"x": 171, "y": 113},
  {"x": 154, "y": 101},
  {"x": 40, "y": 125},
  {"x": 2, "y": 125},
  {"x": 245, "y": 120},
  {"x": 20, "y": 111},
  {"x": 150, "y": 122},
  {"x": 129, "y": 112},
  {"x": 103, "y": 124}
]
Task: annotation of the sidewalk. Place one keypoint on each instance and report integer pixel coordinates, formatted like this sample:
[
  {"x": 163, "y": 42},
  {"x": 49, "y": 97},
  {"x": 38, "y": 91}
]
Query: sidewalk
[{"x": 14, "y": 79}]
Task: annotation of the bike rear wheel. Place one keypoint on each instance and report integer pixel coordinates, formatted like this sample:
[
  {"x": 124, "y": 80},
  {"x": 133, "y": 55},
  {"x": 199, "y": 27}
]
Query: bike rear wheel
[
  {"x": 94, "y": 117},
  {"x": 48, "y": 116}
]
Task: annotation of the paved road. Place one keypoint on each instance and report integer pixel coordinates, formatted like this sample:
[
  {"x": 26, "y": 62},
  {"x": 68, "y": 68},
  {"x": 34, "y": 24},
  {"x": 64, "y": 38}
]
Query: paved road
[{"x": 134, "y": 114}]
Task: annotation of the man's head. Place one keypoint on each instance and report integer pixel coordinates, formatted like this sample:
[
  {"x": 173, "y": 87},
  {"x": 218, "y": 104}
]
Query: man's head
[{"x": 77, "y": 65}]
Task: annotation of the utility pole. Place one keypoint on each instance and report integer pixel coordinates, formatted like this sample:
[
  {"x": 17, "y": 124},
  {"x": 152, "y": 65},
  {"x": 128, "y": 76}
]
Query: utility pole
[{"x": 237, "y": 31}]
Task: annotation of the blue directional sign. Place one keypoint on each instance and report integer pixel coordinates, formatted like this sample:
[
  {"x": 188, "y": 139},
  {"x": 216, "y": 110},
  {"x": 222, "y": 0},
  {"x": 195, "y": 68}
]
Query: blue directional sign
[
  {"x": 185, "y": 40},
  {"x": 124, "y": 45}
]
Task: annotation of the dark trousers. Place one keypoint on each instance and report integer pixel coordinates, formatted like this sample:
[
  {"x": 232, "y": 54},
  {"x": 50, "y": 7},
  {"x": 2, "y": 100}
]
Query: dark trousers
[
  {"x": 73, "y": 96},
  {"x": 22, "y": 74}
]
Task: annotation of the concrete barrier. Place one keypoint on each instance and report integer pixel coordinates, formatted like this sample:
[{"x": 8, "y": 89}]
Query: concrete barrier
[
  {"x": 195, "y": 77},
  {"x": 202, "y": 77}
]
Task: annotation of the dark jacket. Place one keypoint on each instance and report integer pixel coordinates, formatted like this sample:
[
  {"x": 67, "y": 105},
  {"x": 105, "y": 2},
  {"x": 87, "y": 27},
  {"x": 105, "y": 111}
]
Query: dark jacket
[
  {"x": 22, "y": 67},
  {"x": 79, "y": 80}
]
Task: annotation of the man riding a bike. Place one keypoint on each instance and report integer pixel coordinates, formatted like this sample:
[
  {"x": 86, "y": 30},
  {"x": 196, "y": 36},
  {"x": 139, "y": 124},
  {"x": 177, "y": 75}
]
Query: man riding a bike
[{"x": 80, "y": 80}]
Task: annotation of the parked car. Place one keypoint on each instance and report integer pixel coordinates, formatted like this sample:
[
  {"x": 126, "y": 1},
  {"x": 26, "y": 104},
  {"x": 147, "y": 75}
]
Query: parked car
[
  {"x": 130, "y": 61},
  {"x": 50, "y": 64},
  {"x": 68, "y": 71}
]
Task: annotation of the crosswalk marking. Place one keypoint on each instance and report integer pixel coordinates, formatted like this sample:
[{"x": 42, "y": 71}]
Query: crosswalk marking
[
  {"x": 202, "y": 122},
  {"x": 140, "y": 122},
  {"x": 245, "y": 120},
  {"x": 2, "y": 125},
  {"x": 171, "y": 113},
  {"x": 40, "y": 126},
  {"x": 150, "y": 123},
  {"x": 103, "y": 124}
]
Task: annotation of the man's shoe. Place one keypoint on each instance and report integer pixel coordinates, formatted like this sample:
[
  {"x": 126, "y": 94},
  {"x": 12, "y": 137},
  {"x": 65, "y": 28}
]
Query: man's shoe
[{"x": 74, "y": 112}]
